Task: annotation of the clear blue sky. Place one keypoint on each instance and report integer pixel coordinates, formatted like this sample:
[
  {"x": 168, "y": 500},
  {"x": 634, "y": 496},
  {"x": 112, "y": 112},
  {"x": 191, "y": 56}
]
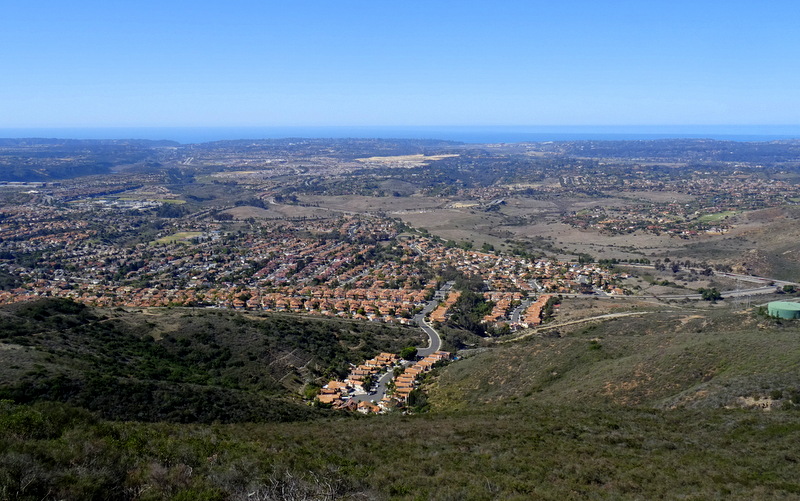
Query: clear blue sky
[{"x": 87, "y": 63}]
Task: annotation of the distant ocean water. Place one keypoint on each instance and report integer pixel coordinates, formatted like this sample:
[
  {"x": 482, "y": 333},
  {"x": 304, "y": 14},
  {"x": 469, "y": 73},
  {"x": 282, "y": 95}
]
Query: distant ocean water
[{"x": 466, "y": 134}]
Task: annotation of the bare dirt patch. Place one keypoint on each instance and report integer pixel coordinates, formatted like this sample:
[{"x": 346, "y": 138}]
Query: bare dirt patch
[
  {"x": 246, "y": 212},
  {"x": 765, "y": 404},
  {"x": 357, "y": 203},
  {"x": 405, "y": 161}
]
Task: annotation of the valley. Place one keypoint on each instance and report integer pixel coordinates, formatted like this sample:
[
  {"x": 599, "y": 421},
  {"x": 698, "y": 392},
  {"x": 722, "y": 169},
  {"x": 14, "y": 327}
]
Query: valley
[{"x": 554, "y": 320}]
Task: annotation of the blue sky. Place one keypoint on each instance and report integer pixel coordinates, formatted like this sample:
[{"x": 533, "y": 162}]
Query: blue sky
[{"x": 269, "y": 63}]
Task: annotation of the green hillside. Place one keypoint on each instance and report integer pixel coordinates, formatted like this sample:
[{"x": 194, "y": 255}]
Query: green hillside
[
  {"x": 512, "y": 451},
  {"x": 663, "y": 359},
  {"x": 179, "y": 364},
  {"x": 668, "y": 404}
]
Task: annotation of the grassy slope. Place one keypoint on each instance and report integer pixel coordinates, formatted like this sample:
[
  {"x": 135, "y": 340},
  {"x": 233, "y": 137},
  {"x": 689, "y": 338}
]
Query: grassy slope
[
  {"x": 546, "y": 418},
  {"x": 763, "y": 243},
  {"x": 703, "y": 359},
  {"x": 179, "y": 365},
  {"x": 513, "y": 451}
]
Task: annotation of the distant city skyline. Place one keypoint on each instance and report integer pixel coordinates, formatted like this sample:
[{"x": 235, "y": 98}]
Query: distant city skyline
[{"x": 88, "y": 64}]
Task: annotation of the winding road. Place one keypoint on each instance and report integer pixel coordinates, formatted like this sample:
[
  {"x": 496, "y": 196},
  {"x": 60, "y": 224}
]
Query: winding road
[
  {"x": 434, "y": 345},
  {"x": 768, "y": 286}
]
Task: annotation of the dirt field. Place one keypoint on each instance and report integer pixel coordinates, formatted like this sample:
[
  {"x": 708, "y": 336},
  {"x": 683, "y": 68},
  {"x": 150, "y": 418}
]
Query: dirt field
[
  {"x": 390, "y": 205},
  {"x": 760, "y": 242},
  {"x": 467, "y": 224},
  {"x": 407, "y": 161},
  {"x": 183, "y": 236},
  {"x": 654, "y": 196},
  {"x": 763, "y": 242}
]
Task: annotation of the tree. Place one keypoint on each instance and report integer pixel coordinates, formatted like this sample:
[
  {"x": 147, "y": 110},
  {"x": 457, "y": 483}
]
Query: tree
[
  {"x": 408, "y": 353},
  {"x": 417, "y": 400},
  {"x": 711, "y": 294}
]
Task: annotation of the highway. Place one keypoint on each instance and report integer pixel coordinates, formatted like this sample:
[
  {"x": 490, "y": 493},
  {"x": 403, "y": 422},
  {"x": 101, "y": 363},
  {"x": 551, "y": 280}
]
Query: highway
[{"x": 725, "y": 294}]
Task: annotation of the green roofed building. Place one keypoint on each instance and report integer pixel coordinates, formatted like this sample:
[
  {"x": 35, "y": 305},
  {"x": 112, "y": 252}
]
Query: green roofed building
[{"x": 783, "y": 309}]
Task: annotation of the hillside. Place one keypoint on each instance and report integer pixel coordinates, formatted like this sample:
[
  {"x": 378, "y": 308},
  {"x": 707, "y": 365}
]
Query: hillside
[
  {"x": 668, "y": 358},
  {"x": 514, "y": 451},
  {"x": 178, "y": 365},
  {"x": 762, "y": 242},
  {"x": 665, "y": 404},
  {"x": 43, "y": 160}
]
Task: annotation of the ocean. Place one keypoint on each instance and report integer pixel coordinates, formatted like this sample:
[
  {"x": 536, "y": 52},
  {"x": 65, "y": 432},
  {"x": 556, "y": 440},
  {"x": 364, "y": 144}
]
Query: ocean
[{"x": 466, "y": 134}]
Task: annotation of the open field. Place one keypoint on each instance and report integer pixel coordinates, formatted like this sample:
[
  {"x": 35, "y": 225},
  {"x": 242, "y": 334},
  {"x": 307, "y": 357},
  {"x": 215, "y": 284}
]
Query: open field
[
  {"x": 574, "y": 240},
  {"x": 247, "y": 211},
  {"x": 356, "y": 203},
  {"x": 467, "y": 224},
  {"x": 522, "y": 218},
  {"x": 719, "y": 216},
  {"x": 653, "y": 282},
  {"x": 654, "y": 196},
  {"x": 180, "y": 237},
  {"x": 406, "y": 160},
  {"x": 280, "y": 211},
  {"x": 762, "y": 243}
]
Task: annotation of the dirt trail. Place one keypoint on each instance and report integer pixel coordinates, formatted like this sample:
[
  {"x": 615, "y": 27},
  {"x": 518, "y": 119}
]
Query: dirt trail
[{"x": 608, "y": 316}]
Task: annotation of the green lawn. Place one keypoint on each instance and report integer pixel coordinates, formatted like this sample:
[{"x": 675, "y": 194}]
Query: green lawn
[{"x": 718, "y": 216}]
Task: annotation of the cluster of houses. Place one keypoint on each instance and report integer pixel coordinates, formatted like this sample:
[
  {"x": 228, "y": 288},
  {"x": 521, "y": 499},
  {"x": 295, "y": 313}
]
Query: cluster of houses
[
  {"x": 507, "y": 273},
  {"x": 405, "y": 383},
  {"x": 533, "y": 314},
  {"x": 440, "y": 313},
  {"x": 339, "y": 394},
  {"x": 333, "y": 267},
  {"x": 503, "y": 301}
]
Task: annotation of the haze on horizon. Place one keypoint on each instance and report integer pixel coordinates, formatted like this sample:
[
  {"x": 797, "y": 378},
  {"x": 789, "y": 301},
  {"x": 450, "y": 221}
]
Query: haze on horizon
[{"x": 246, "y": 63}]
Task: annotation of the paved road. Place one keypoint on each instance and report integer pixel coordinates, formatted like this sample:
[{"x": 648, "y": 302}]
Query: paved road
[
  {"x": 725, "y": 294},
  {"x": 744, "y": 278},
  {"x": 517, "y": 313},
  {"x": 380, "y": 390},
  {"x": 535, "y": 330},
  {"x": 434, "y": 341},
  {"x": 434, "y": 345}
]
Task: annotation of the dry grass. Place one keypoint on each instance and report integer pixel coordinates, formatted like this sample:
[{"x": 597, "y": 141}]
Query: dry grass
[
  {"x": 357, "y": 203},
  {"x": 682, "y": 358},
  {"x": 180, "y": 237},
  {"x": 405, "y": 161}
]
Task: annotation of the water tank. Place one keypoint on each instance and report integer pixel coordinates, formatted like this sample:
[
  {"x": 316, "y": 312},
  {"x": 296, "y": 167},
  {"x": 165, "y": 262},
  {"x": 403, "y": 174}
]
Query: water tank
[{"x": 783, "y": 309}]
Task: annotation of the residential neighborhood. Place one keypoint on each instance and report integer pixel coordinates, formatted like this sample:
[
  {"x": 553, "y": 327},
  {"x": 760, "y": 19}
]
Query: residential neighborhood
[{"x": 358, "y": 267}]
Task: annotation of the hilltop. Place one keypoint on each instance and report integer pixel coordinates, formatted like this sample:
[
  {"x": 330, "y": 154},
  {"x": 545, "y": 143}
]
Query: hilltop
[
  {"x": 178, "y": 364},
  {"x": 661, "y": 357}
]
